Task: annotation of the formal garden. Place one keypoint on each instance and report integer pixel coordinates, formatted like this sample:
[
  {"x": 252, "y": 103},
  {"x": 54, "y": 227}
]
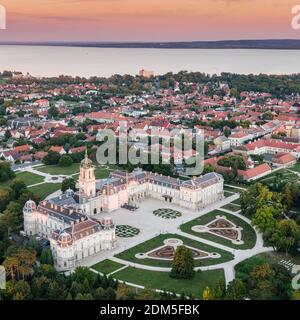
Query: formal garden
[
  {"x": 125, "y": 231},
  {"x": 159, "y": 253},
  {"x": 167, "y": 213},
  {"x": 221, "y": 231}
]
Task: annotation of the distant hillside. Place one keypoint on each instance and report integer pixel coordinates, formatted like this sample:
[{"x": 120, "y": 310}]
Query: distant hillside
[{"x": 290, "y": 44}]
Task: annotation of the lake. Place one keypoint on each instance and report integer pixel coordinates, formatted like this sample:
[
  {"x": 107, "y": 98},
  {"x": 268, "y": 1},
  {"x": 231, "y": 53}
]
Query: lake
[{"x": 76, "y": 61}]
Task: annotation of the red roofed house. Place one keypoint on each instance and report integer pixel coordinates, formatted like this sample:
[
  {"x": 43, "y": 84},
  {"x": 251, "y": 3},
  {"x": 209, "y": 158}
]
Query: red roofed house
[
  {"x": 284, "y": 160},
  {"x": 238, "y": 138},
  {"x": 24, "y": 148},
  {"x": 255, "y": 173},
  {"x": 77, "y": 150},
  {"x": 40, "y": 155},
  {"x": 271, "y": 146},
  {"x": 58, "y": 149}
]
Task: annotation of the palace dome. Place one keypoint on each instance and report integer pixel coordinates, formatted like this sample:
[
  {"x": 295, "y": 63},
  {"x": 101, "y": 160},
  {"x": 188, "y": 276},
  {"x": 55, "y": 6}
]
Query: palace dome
[
  {"x": 64, "y": 239},
  {"x": 69, "y": 193},
  {"x": 29, "y": 206}
]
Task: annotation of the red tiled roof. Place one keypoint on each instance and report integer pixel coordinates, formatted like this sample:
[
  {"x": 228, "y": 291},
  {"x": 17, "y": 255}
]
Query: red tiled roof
[
  {"x": 284, "y": 158},
  {"x": 254, "y": 172}
]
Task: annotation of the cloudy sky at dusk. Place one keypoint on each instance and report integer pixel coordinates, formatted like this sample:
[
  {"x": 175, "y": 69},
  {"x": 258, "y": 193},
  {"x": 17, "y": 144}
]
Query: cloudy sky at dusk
[{"x": 147, "y": 20}]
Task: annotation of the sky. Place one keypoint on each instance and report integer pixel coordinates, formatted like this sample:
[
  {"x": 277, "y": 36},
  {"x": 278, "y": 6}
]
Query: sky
[{"x": 147, "y": 20}]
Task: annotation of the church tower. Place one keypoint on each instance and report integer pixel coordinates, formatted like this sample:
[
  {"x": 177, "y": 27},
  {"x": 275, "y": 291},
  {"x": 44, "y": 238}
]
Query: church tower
[{"x": 87, "y": 180}]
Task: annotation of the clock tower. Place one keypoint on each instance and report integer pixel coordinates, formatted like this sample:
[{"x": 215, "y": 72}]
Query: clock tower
[{"x": 87, "y": 180}]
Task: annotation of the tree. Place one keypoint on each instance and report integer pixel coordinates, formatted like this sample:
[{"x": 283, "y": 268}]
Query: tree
[
  {"x": 264, "y": 218},
  {"x": 18, "y": 186},
  {"x": 46, "y": 257},
  {"x": 68, "y": 183},
  {"x": 53, "y": 112},
  {"x": 5, "y": 198},
  {"x": 65, "y": 161},
  {"x": 234, "y": 92},
  {"x": 255, "y": 197},
  {"x": 12, "y": 217},
  {"x": 124, "y": 292},
  {"x": 288, "y": 234},
  {"x": 19, "y": 264},
  {"x": 183, "y": 263},
  {"x": 236, "y": 290},
  {"x": 21, "y": 290},
  {"x": 220, "y": 290},
  {"x": 51, "y": 158},
  {"x": 6, "y": 173},
  {"x": 208, "y": 168},
  {"x": 207, "y": 294}
]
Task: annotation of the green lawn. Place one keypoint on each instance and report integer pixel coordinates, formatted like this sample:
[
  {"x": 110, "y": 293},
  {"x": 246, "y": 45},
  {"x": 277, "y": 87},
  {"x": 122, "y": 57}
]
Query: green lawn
[
  {"x": 232, "y": 207},
  {"x": 57, "y": 170},
  {"x": 43, "y": 190},
  {"x": 27, "y": 177},
  {"x": 228, "y": 193},
  {"x": 296, "y": 168},
  {"x": 107, "y": 266},
  {"x": 237, "y": 201},
  {"x": 161, "y": 280},
  {"x": 248, "y": 234},
  {"x": 30, "y": 178},
  {"x": 101, "y": 173},
  {"x": 129, "y": 255}
]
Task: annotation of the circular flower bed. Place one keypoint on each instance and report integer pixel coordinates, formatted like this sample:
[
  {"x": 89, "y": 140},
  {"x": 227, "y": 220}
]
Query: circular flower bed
[
  {"x": 167, "y": 213},
  {"x": 124, "y": 231}
]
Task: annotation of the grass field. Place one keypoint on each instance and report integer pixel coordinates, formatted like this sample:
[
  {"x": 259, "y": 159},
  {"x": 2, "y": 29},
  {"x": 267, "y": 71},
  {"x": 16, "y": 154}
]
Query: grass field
[
  {"x": 296, "y": 168},
  {"x": 107, "y": 266},
  {"x": 57, "y": 170},
  {"x": 161, "y": 280},
  {"x": 43, "y": 190},
  {"x": 237, "y": 201},
  {"x": 101, "y": 173},
  {"x": 27, "y": 177},
  {"x": 248, "y": 234},
  {"x": 228, "y": 193},
  {"x": 232, "y": 207},
  {"x": 129, "y": 255}
]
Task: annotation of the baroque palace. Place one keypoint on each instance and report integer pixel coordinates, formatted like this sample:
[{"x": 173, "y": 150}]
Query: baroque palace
[{"x": 68, "y": 220}]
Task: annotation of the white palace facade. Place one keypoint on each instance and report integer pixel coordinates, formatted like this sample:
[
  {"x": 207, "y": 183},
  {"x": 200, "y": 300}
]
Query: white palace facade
[
  {"x": 68, "y": 220},
  {"x": 123, "y": 188}
]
